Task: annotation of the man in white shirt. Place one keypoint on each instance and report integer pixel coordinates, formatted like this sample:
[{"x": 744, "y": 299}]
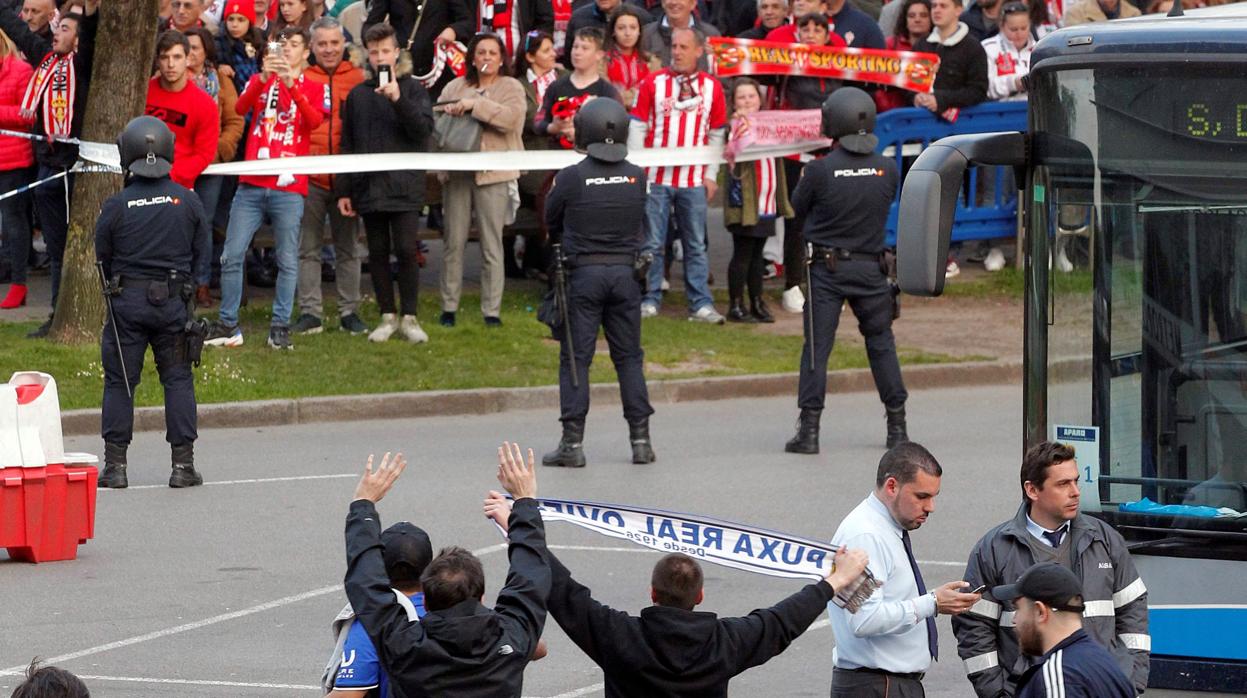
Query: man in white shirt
[{"x": 885, "y": 648}]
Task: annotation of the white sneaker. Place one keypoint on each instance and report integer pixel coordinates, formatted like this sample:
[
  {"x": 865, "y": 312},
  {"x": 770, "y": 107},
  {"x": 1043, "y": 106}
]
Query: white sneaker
[
  {"x": 794, "y": 300},
  {"x": 677, "y": 251},
  {"x": 666, "y": 285},
  {"x": 995, "y": 260},
  {"x": 1063, "y": 263},
  {"x": 388, "y": 326},
  {"x": 649, "y": 310},
  {"x": 411, "y": 330},
  {"x": 708, "y": 315},
  {"x": 951, "y": 270}
]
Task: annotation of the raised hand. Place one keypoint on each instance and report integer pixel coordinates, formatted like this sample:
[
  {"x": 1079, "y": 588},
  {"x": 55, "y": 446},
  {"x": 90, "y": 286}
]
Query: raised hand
[
  {"x": 518, "y": 480},
  {"x": 376, "y": 483}
]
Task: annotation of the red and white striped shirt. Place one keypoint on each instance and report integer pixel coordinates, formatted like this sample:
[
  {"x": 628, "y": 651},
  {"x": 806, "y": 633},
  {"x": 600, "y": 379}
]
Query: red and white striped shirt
[
  {"x": 767, "y": 182},
  {"x": 679, "y": 111}
]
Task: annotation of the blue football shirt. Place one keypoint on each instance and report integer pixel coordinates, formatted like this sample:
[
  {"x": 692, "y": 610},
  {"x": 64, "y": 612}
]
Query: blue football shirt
[{"x": 361, "y": 668}]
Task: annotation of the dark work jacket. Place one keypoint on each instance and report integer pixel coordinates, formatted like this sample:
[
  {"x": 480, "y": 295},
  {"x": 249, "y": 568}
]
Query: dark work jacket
[
  {"x": 371, "y": 123},
  {"x": 670, "y": 652},
  {"x": 153, "y": 227},
  {"x": 844, "y": 199},
  {"x": 1077, "y": 667},
  {"x": 467, "y": 649},
  {"x": 973, "y": 18},
  {"x": 962, "y": 78},
  {"x": 437, "y": 15},
  {"x": 37, "y": 46},
  {"x": 598, "y": 207}
]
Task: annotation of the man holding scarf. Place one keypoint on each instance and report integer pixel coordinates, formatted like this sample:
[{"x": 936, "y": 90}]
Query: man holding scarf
[
  {"x": 285, "y": 108},
  {"x": 56, "y": 97}
]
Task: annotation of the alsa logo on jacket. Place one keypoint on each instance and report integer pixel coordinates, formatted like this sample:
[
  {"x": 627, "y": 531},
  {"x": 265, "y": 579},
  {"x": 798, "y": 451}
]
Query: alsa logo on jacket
[
  {"x": 154, "y": 201},
  {"x": 859, "y": 172},
  {"x": 617, "y": 179}
]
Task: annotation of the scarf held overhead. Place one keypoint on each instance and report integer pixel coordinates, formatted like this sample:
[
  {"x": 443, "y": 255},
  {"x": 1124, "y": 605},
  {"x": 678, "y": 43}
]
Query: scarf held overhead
[
  {"x": 53, "y": 89},
  {"x": 904, "y": 69},
  {"x": 711, "y": 540}
]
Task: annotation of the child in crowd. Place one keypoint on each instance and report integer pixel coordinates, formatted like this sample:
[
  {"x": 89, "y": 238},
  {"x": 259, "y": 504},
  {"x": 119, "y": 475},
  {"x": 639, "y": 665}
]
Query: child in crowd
[
  {"x": 569, "y": 92},
  {"x": 241, "y": 45},
  {"x": 627, "y": 65},
  {"x": 755, "y": 194}
]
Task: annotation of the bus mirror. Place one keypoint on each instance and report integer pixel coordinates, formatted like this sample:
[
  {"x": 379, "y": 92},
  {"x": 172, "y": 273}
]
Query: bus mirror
[{"x": 929, "y": 202}]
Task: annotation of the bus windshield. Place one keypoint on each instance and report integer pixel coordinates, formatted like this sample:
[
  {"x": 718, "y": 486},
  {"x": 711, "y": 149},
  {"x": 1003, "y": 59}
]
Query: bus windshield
[{"x": 1139, "y": 180}]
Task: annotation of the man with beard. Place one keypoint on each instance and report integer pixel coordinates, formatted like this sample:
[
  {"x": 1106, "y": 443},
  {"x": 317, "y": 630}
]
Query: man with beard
[{"x": 1049, "y": 605}]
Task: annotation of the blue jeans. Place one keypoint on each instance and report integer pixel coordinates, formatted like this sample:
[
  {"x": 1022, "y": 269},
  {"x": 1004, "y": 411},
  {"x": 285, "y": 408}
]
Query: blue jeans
[
  {"x": 208, "y": 187},
  {"x": 246, "y": 214},
  {"x": 690, "y": 213}
]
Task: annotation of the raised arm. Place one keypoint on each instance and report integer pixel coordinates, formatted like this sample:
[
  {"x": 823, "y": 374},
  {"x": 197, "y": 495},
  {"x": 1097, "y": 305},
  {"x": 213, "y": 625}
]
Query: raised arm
[{"x": 523, "y": 598}]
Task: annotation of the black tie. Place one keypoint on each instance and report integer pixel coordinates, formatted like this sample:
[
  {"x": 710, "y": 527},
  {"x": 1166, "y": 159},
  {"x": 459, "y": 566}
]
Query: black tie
[
  {"x": 1054, "y": 537},
  {"x": 932, "y": 639}
]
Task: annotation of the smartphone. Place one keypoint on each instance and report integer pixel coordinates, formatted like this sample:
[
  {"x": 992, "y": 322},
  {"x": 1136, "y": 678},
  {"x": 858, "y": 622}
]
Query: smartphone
[
  {"x": 385, "y": 75},
  {"x": 980, "y": 590}
]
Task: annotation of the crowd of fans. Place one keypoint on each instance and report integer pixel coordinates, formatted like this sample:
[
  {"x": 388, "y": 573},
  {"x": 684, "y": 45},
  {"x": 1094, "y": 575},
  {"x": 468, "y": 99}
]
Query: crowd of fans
[{"x": 300, "y": 77}]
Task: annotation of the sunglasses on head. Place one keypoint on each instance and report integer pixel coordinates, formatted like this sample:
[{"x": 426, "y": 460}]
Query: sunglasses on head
[{"x": 1014, "y": 8}]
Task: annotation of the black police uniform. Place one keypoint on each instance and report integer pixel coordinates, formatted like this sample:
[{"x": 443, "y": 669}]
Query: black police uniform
[
  {"x": 598, "y": 208},
  {"x": 153, "y": 238},
  {"x": 844, "y": 199}
]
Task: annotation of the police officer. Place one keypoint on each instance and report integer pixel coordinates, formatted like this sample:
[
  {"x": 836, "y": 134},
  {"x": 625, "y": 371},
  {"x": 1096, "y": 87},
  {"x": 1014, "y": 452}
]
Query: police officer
[
  {"x": 844, "y": 199},
  {"x": 151, "y": 240},
  {"x": 596, "y": 209}
]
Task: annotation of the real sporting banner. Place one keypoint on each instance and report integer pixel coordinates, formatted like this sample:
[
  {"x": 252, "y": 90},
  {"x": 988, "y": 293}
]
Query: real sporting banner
[
  {"x": 905, "y": 69},
  {"x": 711, "y": 540}
]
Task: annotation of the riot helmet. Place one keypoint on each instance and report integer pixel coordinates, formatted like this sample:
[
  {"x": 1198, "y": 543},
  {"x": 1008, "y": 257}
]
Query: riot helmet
[
  {"x": 146, "y": 146},
  {"x": 849, "y": 118},
  {"x": 602, "y": 130}
]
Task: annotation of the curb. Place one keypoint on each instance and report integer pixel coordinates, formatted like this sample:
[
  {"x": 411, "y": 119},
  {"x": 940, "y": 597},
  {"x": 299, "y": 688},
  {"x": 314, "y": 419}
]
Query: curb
[{"x": 441, "y": 403}]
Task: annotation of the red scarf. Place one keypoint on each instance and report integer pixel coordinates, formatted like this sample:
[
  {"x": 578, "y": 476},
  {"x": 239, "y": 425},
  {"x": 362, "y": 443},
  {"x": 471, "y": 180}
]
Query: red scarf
[
  {"x": 55, "y": 85},
  {"x": 626, "y": 71},
  {"x": 496, "y": 17},
  {"x": 562, "y": 17}
]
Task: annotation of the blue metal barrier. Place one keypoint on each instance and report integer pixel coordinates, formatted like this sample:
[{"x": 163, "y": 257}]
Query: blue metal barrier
[{"x": 996, "y": 216}]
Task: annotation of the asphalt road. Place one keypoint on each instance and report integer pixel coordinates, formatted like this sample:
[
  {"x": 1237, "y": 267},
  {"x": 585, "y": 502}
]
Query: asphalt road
[{"x": 228, "y": 589}]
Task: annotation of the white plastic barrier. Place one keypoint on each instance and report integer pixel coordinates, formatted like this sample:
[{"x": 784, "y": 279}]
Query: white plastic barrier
[{"x": 30, "y": 421}]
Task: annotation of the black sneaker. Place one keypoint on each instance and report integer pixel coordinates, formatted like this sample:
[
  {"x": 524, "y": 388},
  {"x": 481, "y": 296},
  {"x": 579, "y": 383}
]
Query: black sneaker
[
  {"x": 352, "y": 324},
  {"x": 307, "y": 324},
  {"x": 42, "y": 331},
  {"x": 222, "y": 335},
  {"x": 491, "y": 321},
  {"x": 447, "y": 319},
  {"x": 279, "y": 338}
]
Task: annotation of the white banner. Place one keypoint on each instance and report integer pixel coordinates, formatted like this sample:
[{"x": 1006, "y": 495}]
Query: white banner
[{"x": 711, "y": 540}]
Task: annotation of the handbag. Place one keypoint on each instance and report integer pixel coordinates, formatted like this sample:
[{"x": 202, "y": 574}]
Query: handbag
[{"x": 456, "y": 134}]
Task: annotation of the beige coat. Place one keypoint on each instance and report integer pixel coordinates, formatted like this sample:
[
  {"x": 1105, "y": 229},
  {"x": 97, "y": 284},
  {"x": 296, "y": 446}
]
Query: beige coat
[
  {"x": 1086, "y": 11},
  {"x": 500, "y": 108}
]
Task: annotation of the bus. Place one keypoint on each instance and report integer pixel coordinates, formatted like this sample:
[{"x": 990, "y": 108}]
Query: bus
[{"x": 1133, "y": 201}]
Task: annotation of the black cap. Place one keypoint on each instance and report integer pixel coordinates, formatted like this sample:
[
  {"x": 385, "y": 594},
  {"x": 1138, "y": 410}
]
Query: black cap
[
  {"x": 1047, "y": 582},
  {"x": 406, "y": 550}
]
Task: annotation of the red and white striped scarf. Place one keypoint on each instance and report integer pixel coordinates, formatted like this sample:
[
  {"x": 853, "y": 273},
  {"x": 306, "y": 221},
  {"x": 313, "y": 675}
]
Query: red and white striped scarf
[
  {"x": 766, "y": 185},
  {"x": 495, "y": 16},
  {"x": 55, "y": 85},
  {"x": 541, "y": 82}
]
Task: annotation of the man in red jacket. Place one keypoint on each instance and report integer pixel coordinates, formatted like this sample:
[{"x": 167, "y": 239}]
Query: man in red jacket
[
  {"x": 285, "y": 108},
  {"x": 185, "y": 108}
]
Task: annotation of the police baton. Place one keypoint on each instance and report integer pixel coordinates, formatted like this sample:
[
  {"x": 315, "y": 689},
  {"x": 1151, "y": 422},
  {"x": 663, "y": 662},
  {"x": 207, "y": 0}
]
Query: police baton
[
  {"x": 107, "y": 290},
  {"x": 809, "y": 303},
  {"x": 560, "y": 293}
]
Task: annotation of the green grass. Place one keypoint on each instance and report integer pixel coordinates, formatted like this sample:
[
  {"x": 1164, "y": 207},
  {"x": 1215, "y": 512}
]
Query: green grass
[
  {"x": 1010, "y": 282},
  {"x": 468, "y": 356}
]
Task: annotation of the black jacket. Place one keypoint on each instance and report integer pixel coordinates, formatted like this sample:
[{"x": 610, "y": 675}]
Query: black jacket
[
  {"x": 962, "y": 78},
  {"x": 735, "y": 16},
  {"x": 437, "y": 15},
  {"x": 845, "y": 198},
  {"x": 1077, "y": 667},
  {"x": 35, "y": 47},
  {"x": 371, "y": 123},
  {"x": 591, "y": 16},
  {"x": 464, "y": 650},
  {"x": 153, "y": 227},
  {"x": 597, "y": 207},
  {"x": 973, "y": 18},
  {"x": 673, "y": 652}
]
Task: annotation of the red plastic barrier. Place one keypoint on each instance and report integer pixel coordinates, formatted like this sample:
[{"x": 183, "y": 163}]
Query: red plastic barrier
[{"x": 46, "y": 513}]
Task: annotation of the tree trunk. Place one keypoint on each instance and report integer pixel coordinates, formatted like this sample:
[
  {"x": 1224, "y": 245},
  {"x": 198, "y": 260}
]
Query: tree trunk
[{"x": 121, "y": 68}]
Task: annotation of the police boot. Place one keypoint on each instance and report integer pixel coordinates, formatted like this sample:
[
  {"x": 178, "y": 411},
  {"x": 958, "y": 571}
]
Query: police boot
[
  {"x": 571, "y": 450},
  {"x": 896, "y": 426},
  {"x": 184, "y": 474},
  {"x": 736, "y": 312},
  {"x": 642, "y": 449},
  {"x": 806, "y": 440},
  {"x": 114, "y": 475}
]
